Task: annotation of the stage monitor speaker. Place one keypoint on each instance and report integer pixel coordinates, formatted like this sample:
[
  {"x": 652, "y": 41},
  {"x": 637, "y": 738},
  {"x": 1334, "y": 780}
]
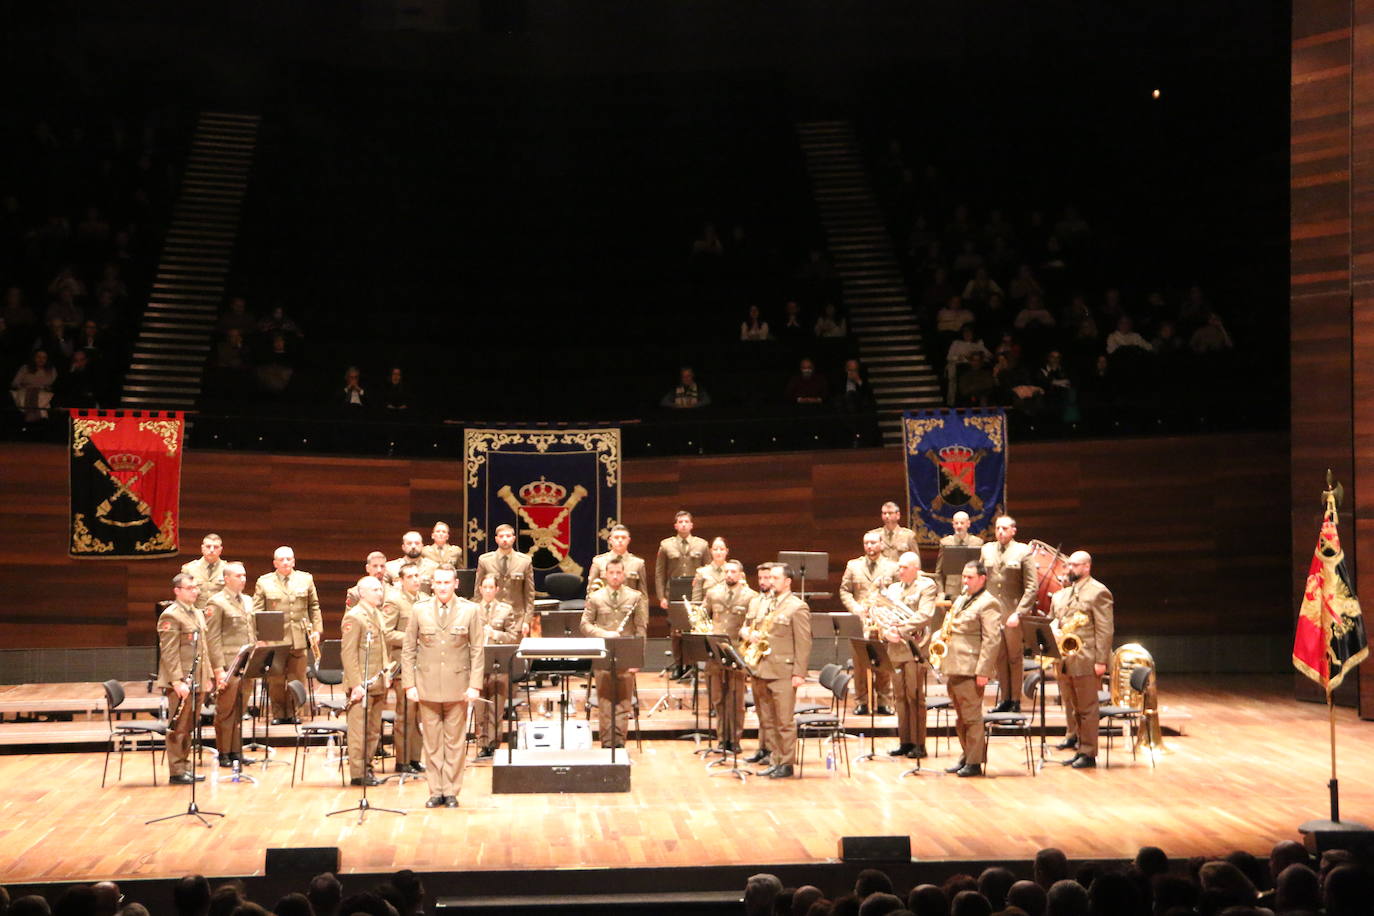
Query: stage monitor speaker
[
  {"x": 875, "y": 848},
  {"x": 305, "y": 860}
]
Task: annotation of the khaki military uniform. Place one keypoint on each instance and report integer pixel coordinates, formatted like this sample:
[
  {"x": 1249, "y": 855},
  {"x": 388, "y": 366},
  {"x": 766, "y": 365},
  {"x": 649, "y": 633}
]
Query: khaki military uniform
[
  {"x": 974, "y": 629},
  {"x": 502, "y": 629},
  {"x": 397, "y": 608},
  {"x": 181, "y": 637},
  {"x": 706, "y": 578},
  {"x": 775, "y": 699},
  {"x": 229, "y": 627},
  {"x": 451, "y": 554},
  {"x": 678, "y": 557},
  {"x": 909, "y": 688},
  {"x": 209, "y": 578},
  {"x": 954, "y": 578},
  {"x": 896, "y": 542},
  {"x": 363, "y": 660},
  {"x": 860, "y": 575},
  {"x": 443, "y": 658},
  {"x": 296, "y": 597},
  {"x": 514, "y": 574},
  {"x": 425, "y": 565},
  {"x": 634, "y": 572},
  {"x": 612, "y": 613},
  {"x": 727, "y": 608},
  {"x": 1078, "y": 682},
  {"x": 1012, "y": 578}
]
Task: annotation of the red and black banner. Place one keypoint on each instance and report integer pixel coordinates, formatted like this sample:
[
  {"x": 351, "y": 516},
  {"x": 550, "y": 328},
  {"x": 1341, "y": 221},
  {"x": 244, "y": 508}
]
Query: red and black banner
[{"x": 125, "y": 483}]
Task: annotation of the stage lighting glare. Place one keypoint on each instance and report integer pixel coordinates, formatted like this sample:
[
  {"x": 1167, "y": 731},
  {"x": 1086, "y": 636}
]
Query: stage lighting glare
[{"x": 1155, "y": 94}]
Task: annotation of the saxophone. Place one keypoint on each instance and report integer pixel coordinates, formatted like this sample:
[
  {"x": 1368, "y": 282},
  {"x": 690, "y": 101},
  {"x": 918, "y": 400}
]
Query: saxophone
[
  {"x": 701, "y": 621},
  {"x": 939, "y": 643},
  {"x": 756, "y": 646}
]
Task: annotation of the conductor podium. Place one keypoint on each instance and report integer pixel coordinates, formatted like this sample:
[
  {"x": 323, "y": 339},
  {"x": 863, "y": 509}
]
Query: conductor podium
[{"x": 550, "y": 765}]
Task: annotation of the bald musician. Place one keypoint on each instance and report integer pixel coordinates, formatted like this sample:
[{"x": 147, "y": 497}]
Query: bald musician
[{"x": 916, "y": 593}]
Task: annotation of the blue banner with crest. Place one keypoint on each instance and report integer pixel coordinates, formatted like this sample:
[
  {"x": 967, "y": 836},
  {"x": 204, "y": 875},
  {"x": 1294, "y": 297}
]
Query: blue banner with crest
[{"x": 956, "y": 461}]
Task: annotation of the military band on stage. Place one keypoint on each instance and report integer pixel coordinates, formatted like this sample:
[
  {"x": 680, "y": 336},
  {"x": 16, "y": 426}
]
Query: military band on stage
[{"x": 407, "y": 633}]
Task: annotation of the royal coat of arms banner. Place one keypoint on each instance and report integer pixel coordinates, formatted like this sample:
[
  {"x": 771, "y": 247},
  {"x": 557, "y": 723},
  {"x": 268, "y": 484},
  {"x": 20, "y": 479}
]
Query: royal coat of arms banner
[
  {"x": 956, "y": 461},
  {"x": 125, "y": 470},
  {"x": 559, "y": 488}
]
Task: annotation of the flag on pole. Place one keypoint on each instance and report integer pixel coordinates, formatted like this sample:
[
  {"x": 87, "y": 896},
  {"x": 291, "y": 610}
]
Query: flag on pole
[{"x": 1330, "y": 640}]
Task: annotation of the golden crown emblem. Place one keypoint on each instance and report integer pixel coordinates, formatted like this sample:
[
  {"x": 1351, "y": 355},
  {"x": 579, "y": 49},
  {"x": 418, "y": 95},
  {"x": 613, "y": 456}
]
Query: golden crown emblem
[
  {"x": 124, "y": 462},
  {"x": 956, "y": 453},
  {"x": 542, "y": 493}
]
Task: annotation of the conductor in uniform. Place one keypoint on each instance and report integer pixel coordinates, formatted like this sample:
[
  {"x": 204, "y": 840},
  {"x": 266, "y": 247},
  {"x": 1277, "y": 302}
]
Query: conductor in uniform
[
  {"x": 1012, "y": 579},
  {"x": 364, "y": 654},
  {"x": 611, "y": 612},
  {"x": 786, "y": 621},
  {"x": 182, "y": 642},
  {"x": 442, "y": 666},
  {"x": 293, "y": 593},
  {"x": 972, "y": 631},
  {"x": 916, "y": 593}
]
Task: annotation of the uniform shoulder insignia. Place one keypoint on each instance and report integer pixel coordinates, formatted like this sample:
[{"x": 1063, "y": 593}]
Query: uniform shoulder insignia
[
  {"x": 164, "y": 625},
  {"x": 347, "y": 625}
]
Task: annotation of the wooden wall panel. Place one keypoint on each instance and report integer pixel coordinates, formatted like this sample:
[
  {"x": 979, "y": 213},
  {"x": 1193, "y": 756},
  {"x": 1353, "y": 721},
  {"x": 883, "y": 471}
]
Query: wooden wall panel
[{"x": 1186, "y": 531}]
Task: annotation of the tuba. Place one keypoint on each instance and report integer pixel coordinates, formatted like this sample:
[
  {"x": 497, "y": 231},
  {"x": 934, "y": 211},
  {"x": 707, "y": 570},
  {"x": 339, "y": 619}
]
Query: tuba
[{"x": 1124, "y": 661}]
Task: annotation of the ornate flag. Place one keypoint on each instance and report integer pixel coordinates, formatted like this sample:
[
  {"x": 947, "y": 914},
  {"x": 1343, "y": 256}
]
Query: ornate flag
[
  {"x": 956, "y": 460},
  {"x": 559, "y": 488},
  {"x": 125, "y": 483},
  {"x": 1330, "y": 639}
]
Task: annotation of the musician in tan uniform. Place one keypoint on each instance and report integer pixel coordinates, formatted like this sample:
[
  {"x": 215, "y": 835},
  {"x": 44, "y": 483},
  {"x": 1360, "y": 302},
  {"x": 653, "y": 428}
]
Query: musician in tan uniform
[
  {"x": 763, "y": 575},
  {"x": 894, "y": 539},
  {"x": 916, "y": 593},
  {"x": 678, "y": 556},
  {"x": 374, "y": 566},
  {"x": 861, "y": 574},
  {"x": 972, "y": 631},
  {"x": 229, "y": 627},
  {"x": 292, "y": 592},
  {"x": 442, "y": 666},
  {"x": 398, "y": 605},
  {"x": 514, "y": 575},
  {"x": 953, "y": 581},
  {"x": 364, "y": 662},
  {"x": 727, "y": 603},
  {"x": 713, "y": 573},
  {"x": 785, "y": 620},
  {"x": 614, "y": 611},
  {"x": 1080, "y": 673},
  {"x": 412, "y": 550},
  {"x": 208, "y": 571},
  {"x": 181, "y": 639},
  {"x": 503, "y": 628},
  {"x": 440, "y": 550},
  {"x": 1012, "y": 578},
  {"x": 635, "y": 573}
]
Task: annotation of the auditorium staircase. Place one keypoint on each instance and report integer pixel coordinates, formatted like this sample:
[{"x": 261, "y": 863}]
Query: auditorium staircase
[
  {"x": 875, "y": 294},
  {"x": 177, "y": 333}
]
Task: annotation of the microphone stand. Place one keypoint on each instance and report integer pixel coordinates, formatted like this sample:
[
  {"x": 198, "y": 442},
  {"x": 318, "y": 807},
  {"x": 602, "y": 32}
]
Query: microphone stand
[
  {"x": 362, "y": 807},
  {"x": 192, "y": 810}
]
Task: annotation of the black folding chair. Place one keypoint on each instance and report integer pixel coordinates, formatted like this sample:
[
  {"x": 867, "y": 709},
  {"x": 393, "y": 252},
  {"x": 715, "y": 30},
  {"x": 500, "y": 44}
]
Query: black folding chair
[
  {"x": 826, "y": 724},
  {"x": 123, "y": 733},
  {"x": 300, "y": 700}
]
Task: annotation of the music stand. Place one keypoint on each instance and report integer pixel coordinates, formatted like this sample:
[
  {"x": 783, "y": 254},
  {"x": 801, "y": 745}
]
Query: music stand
[
  {"x": 679, "y": 587},
  {"x": 565, "y": 667},
  {"x": 679, "y": 624},
  {"x": 500, "y": 659},
  {"x": 1037, "y": 628},
  {"x": 723, "y": 653},
  {"x": 192, "y": 810},
  {"x": 558, "y": 624},
  {"x": 807, "y": 565},
  {"x": 260, "y": 661},
  {"x": 696, "y": 648},
  {"x": 621, "y": 652},
  {"x": 362, "y": 807},
  {"x": 466, "y": 582},
  {"x": 871, "y": 655},
  {"x": 233, "y": 680},
  {"x": 951, "y": 564}
]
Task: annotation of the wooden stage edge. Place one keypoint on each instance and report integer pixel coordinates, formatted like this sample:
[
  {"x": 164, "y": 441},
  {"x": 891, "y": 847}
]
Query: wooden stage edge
[{"x": 1252, "y": 765}]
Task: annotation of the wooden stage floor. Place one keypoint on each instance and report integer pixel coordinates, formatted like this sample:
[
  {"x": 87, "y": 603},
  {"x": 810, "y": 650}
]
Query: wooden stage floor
[{"x": 1252, "y": 764}]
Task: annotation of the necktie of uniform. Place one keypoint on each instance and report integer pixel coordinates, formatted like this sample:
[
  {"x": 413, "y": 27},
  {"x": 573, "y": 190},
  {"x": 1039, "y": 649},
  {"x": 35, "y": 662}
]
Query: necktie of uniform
[
  {"x": 682, "y": 546},
  {"x": 505, "y": 565},
  {"x": 871, "y": 567},
  {"x": 444, "y": 612}
]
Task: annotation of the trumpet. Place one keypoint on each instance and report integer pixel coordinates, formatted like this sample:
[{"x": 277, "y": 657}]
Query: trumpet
[{"x": 701, "y": 621}]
